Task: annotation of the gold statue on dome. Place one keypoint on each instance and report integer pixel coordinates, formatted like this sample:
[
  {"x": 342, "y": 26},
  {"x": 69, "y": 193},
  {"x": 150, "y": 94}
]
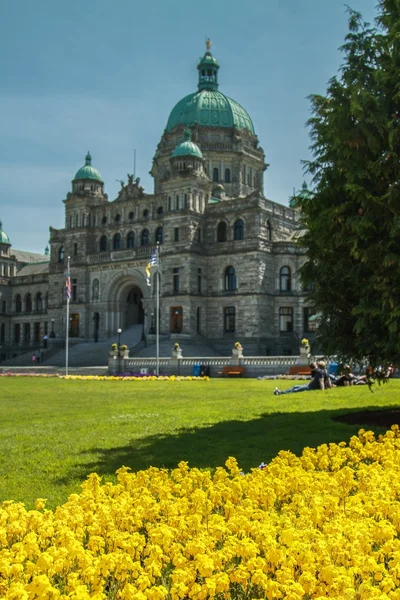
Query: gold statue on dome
[{"x": 208, "y": 44}]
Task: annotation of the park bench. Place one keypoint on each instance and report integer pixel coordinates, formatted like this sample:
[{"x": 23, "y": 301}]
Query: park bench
[
  {"x": 299, "y": 370},
  {"x": 232, "y": 371}
]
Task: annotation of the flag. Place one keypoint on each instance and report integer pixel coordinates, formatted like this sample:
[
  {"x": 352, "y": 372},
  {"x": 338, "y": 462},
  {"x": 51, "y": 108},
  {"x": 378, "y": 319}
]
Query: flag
[
  {"x": 152, "y": 263},
  {"x": 68, "y": 284}
]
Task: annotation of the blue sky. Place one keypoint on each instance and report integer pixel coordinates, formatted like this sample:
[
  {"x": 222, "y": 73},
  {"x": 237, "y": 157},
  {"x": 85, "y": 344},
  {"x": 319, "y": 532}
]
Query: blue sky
[{"x": 103, "y": 76}]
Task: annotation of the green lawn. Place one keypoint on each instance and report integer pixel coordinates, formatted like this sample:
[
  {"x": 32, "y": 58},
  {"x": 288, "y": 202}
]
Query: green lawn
[{"x": 55, "y": 432}]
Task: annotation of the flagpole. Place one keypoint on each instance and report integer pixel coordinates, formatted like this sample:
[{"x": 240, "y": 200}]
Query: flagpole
[
  {"x": 67, "y": 323},
  {"x": 158, "y": 313}
]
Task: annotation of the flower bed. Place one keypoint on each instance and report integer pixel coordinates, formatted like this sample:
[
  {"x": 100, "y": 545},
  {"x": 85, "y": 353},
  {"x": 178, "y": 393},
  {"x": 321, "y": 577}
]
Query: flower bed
[
  {"x": 110, "y": 377},
  {"x": 322, "y": 525}
]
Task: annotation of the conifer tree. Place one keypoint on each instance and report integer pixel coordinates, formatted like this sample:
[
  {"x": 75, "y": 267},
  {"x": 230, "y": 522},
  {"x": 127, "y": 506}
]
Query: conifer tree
[{"x": 352, "y": 218}]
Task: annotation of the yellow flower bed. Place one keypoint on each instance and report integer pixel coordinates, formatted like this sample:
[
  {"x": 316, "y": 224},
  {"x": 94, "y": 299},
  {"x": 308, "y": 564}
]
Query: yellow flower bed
[
  {"x": 323, "y": 525},
  {"x": 135, "y": 378}
]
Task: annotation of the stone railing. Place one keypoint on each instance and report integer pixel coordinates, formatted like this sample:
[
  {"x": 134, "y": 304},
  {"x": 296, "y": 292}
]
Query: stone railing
[{"x": 255, "y": 365}]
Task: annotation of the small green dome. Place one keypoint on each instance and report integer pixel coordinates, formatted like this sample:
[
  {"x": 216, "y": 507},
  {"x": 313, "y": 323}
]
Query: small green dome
[
  {"x": 88, "y": 172},
  {"x": 209, "y": 108},
  {"x": 4, "y": 239},
  {"x": 187, "y": 148}
]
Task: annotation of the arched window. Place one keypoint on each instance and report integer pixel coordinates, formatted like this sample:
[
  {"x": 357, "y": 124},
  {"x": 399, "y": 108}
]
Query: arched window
[
  {"x": 221, "y": 232},
  {"x": 130, "y": 240},
  {"x": 131, "y": 215},
  {"x": 117, "y": 218},
  {"x": 61, "y": 254},
  {"x": 230, "y": 279},
  {"x": 145, "y": 238},
  {"x": 39, "y": 301},
  {"x": 160, "y": 210},
  {"x": 285, "y": 279},
  {"x": 117, "y": 242},
  {"x": 159, "y": 235},
  {"x": 269, "y": 231},
  {"x": 227, "y": 175},
  {"x": 215, "y": 174},
  {"x": 145, "y": 213},
  {"x": 95, "y": 290},
  {"x": 238, "y": 230},
  {"x": 28, "y": 303},
  {"x": 18, "y": 304},
  {"x": 76, "y": 220},
  {"x": 46, "y": 300},
  {"x": 103, "y": 243}
]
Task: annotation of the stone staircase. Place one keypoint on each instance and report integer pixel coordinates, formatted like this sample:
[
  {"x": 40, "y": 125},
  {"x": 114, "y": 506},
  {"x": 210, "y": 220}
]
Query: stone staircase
[{"x": 88, "y": 354}]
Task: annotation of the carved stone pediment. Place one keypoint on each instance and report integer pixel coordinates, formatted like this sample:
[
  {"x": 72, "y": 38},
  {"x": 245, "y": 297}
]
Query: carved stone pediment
[{"x": 132, "y": 190}]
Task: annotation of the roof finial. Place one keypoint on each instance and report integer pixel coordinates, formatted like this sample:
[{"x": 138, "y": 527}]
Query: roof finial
[
  {"x": 88, "y": 158},
  {"x": 208, "y": 44},
  {"x": 187, "y": 134}
]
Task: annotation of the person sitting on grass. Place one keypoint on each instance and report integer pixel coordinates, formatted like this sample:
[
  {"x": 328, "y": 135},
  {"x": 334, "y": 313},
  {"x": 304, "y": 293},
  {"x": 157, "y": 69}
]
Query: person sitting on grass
[
  {"x": 319, "y": 381},
  {"x": 346, "y": 377}
]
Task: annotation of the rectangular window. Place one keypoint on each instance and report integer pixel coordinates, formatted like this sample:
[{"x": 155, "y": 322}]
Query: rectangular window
[
  {"x": 17, "y": 333},
  {"x": 176, "y": 234},
  {"x": 177, "y": 203},
  {"x": 169, "y": 203},
  {"x": 185, "y": 201},
  {"x": 75, "y": 249},
  {"x": 229, "y": 319},
  {"x": 74, "y": 289},
  {"x": 286, "y": 319},
  {"x": 199, "y": 235},
  {"x": 36, "y": 332},
  {"x": 175, "y": 280},
  {"x": 199, "y": 280},
  {"x": 3, "y": 307}
]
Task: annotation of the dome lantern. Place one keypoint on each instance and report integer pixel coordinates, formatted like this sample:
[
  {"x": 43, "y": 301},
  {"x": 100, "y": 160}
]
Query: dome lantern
[{"x": 208, "y": 70}]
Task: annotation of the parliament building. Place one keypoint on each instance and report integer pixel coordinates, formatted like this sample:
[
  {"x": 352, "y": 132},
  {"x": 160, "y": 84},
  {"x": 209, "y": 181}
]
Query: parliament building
[{"x": 229, "y": 258}]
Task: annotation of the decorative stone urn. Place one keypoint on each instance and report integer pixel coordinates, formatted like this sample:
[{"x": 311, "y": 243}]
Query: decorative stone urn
[
  {"x": 237, "y": 352},
  {"x": 176, "y": 352},
  {"x": 304, "y": 352}
]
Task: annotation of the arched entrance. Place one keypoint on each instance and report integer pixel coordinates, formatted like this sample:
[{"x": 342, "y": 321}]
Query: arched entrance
[
  {"x": 134, "y": 313},
  {"x": 126, "y": 296}
]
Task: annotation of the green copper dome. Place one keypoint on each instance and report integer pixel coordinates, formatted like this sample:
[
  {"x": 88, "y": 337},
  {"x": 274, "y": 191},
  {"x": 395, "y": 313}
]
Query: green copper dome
[
  {"x": 208, "y": 107},
  {"x": 187, "y": 148},
  {"x": 4, "y": 239},
  {"x": 88, "y": 172}
]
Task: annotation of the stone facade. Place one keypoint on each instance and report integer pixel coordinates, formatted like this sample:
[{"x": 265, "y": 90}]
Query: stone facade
[{"x": 228, "y": 256}]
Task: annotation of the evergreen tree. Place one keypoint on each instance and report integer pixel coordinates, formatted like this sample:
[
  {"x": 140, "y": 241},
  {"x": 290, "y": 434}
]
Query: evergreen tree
[{"x": 352, "y": 218}]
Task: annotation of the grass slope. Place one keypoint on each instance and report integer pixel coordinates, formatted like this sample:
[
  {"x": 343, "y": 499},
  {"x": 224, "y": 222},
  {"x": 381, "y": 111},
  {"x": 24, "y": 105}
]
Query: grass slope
[{"x": 55, "y": 432}]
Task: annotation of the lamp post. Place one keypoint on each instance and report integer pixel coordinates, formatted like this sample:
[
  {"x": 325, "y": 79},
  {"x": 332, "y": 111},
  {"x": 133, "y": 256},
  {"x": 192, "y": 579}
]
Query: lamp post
[
  {"x": 119, "y": 331},
  {"x": 143, "y": 333},
  {"x": 152, "y": 329}
]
